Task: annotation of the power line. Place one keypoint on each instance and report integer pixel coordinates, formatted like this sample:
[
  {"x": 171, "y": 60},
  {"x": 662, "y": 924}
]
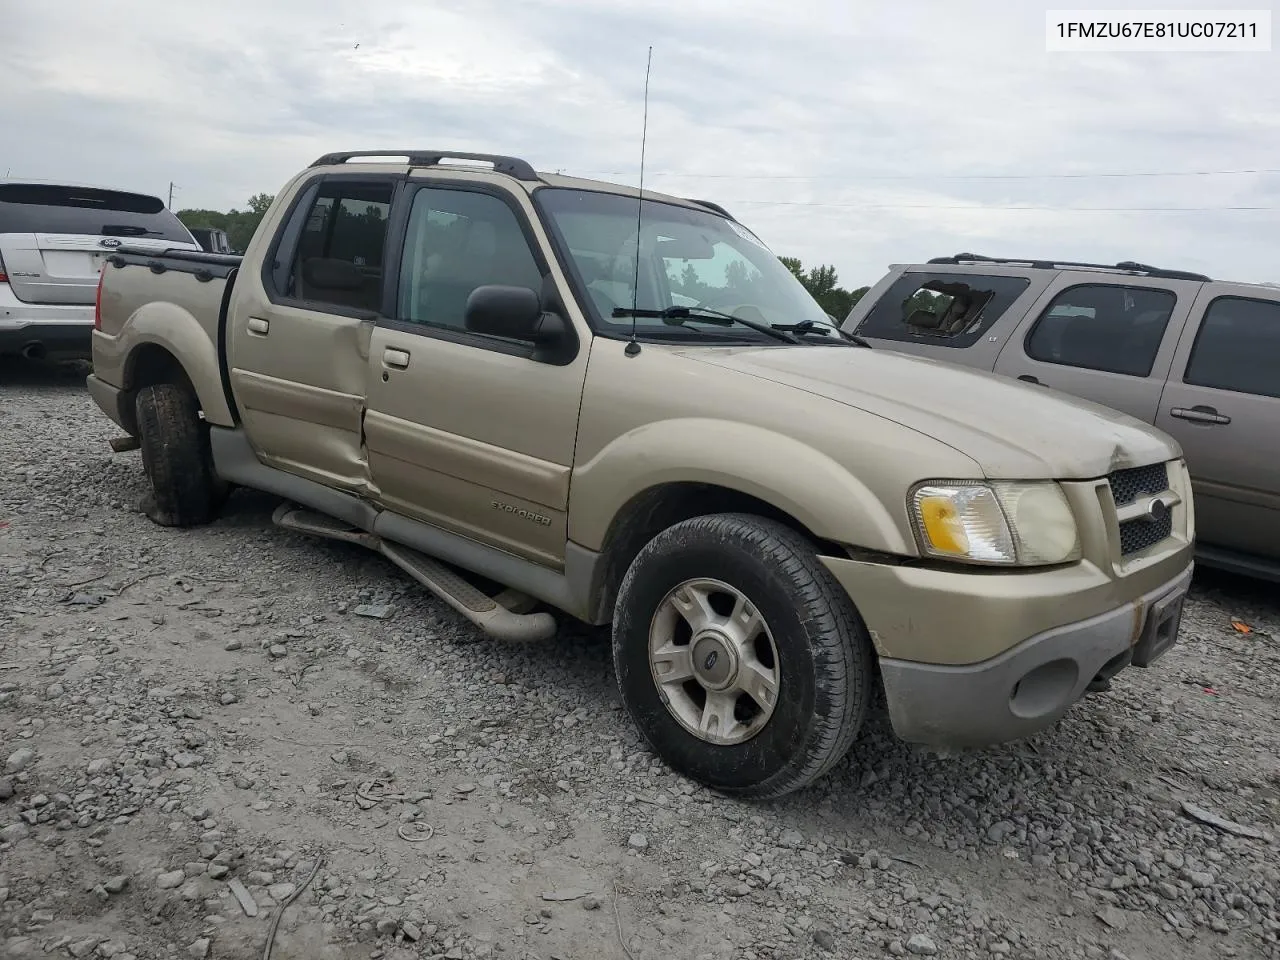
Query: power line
[
  {"x": 984, "y": 206},
  {"x": 947, "y": 176}
]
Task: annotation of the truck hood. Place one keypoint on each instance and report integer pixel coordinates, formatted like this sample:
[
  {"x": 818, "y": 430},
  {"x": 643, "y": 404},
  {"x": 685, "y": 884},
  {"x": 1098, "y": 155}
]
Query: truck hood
[{"x": 1014, "y": 431}]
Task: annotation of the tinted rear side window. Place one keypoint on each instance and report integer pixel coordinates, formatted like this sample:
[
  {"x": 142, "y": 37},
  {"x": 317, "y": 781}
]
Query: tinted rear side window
[
  {"x": 49, "y": 208},
  {"x": 1105, "y": 327},
  {"x": 947, "y": 309},
  {"x": 1238, "y": 347}
]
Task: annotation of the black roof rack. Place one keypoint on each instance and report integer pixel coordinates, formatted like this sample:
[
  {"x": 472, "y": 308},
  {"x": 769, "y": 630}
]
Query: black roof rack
[
  {"x": 1128, "y": 266},
  {"x": 511, "y": 166},
  {"x": 712, "y": 206}
]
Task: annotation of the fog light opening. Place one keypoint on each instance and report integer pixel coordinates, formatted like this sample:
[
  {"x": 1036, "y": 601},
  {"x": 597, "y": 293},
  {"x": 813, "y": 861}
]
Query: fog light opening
[{"x": 1044, "y": 690}]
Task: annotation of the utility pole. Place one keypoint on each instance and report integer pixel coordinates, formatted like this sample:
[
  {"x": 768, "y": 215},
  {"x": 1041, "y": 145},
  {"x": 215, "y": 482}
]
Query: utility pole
[{"x": 171, "y": 187}]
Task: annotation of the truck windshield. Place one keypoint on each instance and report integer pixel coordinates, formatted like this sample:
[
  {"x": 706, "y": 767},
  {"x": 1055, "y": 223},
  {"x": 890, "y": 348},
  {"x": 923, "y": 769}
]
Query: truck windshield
[{"x": 687, "y": 258}]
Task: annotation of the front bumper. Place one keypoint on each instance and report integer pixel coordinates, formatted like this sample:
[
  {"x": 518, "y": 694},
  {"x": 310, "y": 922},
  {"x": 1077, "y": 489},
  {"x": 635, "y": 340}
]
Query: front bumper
[{"x": 1030, "y": 686}]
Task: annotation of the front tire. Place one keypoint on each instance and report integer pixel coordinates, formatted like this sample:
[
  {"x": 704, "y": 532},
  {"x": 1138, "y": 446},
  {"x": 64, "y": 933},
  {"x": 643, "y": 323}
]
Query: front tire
[
  {"x": 185, "y": 491},
  {"x": 739, "y": 657}
]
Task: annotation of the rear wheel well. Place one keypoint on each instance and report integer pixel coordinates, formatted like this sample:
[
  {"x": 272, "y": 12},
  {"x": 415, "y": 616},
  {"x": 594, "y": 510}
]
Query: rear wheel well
[
  {"x": 148, "y": 366},
  {"x": 650, "y": 512}
]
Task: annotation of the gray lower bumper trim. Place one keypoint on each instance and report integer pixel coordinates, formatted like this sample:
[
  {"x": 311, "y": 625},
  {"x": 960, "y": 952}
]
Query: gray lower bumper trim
[{"x": 1027, "y": 688}]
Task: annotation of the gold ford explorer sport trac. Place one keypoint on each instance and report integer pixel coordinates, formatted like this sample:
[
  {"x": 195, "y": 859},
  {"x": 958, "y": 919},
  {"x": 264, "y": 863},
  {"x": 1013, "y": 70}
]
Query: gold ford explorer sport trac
[{"x": 536, "y": 393}]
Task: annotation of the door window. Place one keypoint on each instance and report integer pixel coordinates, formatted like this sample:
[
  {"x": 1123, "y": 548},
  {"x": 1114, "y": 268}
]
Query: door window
[
  {"x": 946, "y": 309},
  {"x": 1106, "y": 327},
  {"x": 338, "y": 259},
  {"x": 459, "y": 240},
  {"x": 1238, "y": 347}
]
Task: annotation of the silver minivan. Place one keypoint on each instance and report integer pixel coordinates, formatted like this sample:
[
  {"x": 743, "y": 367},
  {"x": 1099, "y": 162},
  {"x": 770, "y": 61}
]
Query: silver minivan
[
  {"x": 54, "y": 238},
  {"x": 1197, "y": 357}
]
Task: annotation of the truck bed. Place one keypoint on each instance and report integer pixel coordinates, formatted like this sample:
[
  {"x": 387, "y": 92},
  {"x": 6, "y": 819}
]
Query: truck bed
[{"x": 191, "y": 281}]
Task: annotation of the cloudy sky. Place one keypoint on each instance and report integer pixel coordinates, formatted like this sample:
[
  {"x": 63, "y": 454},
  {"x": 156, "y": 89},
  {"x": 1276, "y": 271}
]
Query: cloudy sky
[{"x": 851, "y": 133}]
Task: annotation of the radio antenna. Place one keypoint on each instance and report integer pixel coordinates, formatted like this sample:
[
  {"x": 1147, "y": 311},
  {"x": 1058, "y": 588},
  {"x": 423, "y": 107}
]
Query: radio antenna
[{"x": 633, "y": 347}]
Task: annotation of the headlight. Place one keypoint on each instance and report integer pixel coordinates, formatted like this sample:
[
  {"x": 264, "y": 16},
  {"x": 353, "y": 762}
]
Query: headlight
[{"x": 1013, "y": 524}]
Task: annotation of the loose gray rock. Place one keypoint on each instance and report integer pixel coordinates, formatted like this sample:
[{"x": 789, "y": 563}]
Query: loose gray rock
[
  {"x": 243, "y": 897},
  {"x": 199, "y": 949},
  {"x": 19, "y": 760},
  {"x": 170, "y": 880},
  {"x": 638, "y": 841},
  {"x": 1113, "y": 917},
  {"x": 922, "y": 946},
  {"x": 115, "y": 884},
  {"x": 793, "y": 839}
]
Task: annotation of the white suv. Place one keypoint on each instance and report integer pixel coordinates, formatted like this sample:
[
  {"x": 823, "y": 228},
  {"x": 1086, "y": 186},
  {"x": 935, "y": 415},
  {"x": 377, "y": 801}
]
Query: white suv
[{"x": 54, "y": 238}]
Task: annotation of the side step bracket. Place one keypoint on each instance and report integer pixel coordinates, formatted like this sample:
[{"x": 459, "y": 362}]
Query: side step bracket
[{"x": 505, "y": 620}]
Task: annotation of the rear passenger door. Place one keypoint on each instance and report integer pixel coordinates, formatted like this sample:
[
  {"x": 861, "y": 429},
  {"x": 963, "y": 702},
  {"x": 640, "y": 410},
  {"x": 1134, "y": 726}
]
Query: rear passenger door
[
  {"x": 960, "y": 317},
  {"x": 1110, "y": 341},
  {"x": 299, "y": 348},
  {"x": 1223, "y": 405}
]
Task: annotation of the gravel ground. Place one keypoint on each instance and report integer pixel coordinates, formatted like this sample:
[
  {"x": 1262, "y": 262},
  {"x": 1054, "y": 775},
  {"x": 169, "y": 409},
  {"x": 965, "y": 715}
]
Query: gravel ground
[{"x": 194, "y": 724}]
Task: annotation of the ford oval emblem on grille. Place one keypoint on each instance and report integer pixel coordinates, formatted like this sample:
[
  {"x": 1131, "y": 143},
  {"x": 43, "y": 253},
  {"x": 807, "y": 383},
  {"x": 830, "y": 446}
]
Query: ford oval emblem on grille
[
  {"x": 108, "y": 242},
  {"x": 1157, "y": 510}
]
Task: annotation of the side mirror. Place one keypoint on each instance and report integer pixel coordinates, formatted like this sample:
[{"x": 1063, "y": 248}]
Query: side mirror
[{"x": 512, "y": 312}]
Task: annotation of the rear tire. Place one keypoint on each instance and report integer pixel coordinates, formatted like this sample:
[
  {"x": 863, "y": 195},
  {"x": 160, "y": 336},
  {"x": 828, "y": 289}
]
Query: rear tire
[
  {"x": 176, "y": 457},
  {"x": 778, "y": 663}
]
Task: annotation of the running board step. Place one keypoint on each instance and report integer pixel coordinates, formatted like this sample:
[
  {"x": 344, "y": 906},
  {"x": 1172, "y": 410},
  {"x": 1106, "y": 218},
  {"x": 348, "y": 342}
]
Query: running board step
[
  {"x": 319, "y": 525},
  {"x": 505, "y": 617}
]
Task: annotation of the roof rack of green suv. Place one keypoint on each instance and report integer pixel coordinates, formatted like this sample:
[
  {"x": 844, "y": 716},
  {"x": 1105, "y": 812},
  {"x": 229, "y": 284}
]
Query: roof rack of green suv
[
  {"x": 511, "y": 166},
  {"x": 1128, "y": 266}
]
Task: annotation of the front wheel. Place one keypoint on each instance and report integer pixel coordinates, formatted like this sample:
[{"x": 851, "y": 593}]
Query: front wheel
[{"x": 739, "y": 657}]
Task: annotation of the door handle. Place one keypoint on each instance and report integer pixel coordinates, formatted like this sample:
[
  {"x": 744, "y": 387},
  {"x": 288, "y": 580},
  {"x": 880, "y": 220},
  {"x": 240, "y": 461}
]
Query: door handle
[
  {"x": 1199, "y": 414},
  {"x": 259, "y": 326},
  {"x": 1028, "y": 378},
  {"x": 392, "y": 357}
]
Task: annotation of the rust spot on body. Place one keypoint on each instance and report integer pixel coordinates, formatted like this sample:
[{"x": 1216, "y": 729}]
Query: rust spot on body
[{"x": 1139, "y": 618}]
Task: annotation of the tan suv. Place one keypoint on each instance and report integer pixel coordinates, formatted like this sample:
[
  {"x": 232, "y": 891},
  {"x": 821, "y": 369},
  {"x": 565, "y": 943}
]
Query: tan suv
[
  {"x": 1197, "y": 357},
  {"x": 536, "y": 393}
]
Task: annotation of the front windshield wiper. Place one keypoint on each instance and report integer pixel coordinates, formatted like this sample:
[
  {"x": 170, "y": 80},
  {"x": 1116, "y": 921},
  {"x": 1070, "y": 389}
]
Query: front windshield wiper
[
  {"x": 806, "y": 327},
  {"x": 678, "y": 315}
]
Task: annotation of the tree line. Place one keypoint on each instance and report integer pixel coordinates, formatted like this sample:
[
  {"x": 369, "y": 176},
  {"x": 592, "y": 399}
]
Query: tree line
[
  {"x": 238, "y": 224},
  {"x": 821, "y": 281},
  {"x": 824, "y": 286}
]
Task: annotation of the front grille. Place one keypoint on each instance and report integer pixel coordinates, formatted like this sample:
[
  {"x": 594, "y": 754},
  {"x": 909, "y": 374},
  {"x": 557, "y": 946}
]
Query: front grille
[
  {"x": 1139, "y": 534},
  {"x": 1128, "y": 485}
]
